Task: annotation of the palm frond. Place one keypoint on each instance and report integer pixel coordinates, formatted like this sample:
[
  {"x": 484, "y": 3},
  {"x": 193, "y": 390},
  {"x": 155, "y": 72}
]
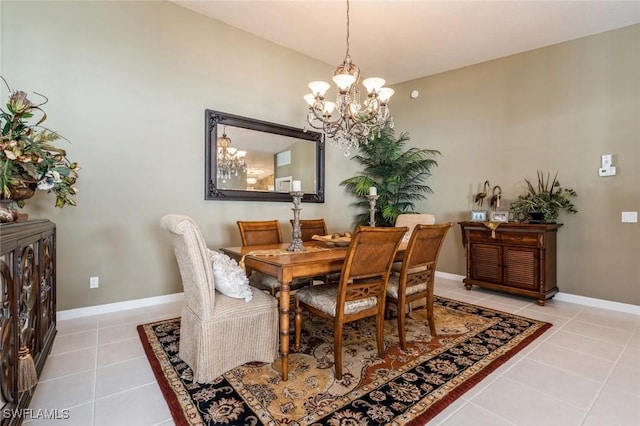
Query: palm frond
[{"x": 398, "y": 174}]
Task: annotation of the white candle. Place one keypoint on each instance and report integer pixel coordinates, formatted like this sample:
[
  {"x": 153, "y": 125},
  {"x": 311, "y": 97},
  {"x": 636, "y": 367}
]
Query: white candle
[
  {"x": 373, "y": 190},
  {"x": 296, "y": 186}
]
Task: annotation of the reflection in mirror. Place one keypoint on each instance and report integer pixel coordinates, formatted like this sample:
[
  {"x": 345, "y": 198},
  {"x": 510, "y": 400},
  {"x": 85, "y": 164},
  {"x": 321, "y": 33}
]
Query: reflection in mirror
[{"x": 249, "y": 159}]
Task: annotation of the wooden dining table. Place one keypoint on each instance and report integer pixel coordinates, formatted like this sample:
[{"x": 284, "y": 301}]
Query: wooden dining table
[{"x": 318, "y": 259}]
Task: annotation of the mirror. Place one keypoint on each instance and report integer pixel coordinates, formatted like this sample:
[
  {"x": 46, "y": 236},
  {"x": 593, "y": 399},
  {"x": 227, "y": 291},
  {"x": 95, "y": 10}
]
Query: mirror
[{"x": 254, "y": 160}]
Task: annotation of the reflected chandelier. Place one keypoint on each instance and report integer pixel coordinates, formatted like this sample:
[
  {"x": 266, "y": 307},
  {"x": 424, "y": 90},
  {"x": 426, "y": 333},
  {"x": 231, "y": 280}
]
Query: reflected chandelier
[
  {"x": 353, "y": 123},
  {"x": 230, "y": 161}
]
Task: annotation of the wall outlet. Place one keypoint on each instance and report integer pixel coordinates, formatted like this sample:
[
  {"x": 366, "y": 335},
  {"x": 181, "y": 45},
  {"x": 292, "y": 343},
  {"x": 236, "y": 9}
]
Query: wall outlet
[
  {"x": 94, "y": 282},
  {"x": 629, "y": 217}
]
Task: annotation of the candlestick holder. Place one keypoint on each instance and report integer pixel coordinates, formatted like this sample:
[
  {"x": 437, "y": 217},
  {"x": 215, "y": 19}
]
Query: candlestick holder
[
  {"x": 296, "y": 242},
  {"x": 372, "y": 209}
]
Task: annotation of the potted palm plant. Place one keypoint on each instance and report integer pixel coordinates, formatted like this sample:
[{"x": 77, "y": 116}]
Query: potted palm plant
[
  {"x": 544, "y": 202},
  {"x": 398, "y": 175}
]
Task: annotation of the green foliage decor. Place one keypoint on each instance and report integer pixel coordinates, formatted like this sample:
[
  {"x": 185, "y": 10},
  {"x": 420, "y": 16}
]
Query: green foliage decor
[
  {"x": 398, "y": 175},
  {"x": 28, "y": 159},
  {"x": 548, "y": 198}
]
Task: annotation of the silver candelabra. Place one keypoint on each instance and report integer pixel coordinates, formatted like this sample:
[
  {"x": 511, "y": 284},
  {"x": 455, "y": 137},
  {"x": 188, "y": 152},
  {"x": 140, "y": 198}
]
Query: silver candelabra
[
  {"x": 296, "y": 242},
  {"x": 372, "y": 209}
]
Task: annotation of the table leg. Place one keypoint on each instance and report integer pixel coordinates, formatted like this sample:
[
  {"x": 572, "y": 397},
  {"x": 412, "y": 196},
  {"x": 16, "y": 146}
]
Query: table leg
[{"x": 284, "y": 327}]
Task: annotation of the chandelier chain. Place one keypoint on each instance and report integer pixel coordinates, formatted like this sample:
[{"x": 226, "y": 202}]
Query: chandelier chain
[{"x": 347, "y": 54}]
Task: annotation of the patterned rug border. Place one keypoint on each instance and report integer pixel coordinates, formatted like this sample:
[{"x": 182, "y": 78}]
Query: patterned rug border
[{"x": 179, "y": 415}]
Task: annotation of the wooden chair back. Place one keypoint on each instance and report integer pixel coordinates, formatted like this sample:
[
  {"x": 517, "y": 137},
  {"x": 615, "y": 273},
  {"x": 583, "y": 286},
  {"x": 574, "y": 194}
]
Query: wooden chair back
[
  {"x": 361, "y": 290},
  {"x": 254, "y": 233},
  {"x": 366, "y": 269},
  {"x": 417, "y": 275},
  {"x": 311, "y": 227}
]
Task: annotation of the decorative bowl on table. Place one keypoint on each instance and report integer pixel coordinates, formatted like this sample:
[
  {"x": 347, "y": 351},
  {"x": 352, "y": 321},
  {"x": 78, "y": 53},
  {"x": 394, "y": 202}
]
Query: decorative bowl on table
[{"x": 338, "y": 239}]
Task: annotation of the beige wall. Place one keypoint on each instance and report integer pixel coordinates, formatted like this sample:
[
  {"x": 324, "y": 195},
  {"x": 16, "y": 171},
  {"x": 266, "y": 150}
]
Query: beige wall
[
  {"x": 128, "y": 83},
  {"x": 560, "y": 109}
]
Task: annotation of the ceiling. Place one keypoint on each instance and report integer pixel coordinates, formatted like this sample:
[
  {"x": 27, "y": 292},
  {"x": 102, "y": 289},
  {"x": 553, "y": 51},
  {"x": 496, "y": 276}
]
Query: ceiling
[{"x": 401, "y": 40}]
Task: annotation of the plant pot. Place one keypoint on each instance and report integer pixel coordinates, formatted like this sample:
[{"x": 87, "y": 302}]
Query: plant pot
[{"x": 536, "y": 217}]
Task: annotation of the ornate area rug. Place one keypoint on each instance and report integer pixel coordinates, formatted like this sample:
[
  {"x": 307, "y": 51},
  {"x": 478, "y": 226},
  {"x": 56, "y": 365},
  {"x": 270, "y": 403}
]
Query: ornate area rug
[{"x": 405, "y": 388}]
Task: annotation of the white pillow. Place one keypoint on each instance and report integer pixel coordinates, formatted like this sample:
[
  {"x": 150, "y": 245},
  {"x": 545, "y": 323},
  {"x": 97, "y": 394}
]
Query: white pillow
[{"x": 229, "y": 279}]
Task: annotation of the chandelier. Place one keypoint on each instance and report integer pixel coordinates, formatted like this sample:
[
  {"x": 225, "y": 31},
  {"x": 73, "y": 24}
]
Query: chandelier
[
  {"x": 348, "y": 122},
  {"x": 230, "y": 160}
]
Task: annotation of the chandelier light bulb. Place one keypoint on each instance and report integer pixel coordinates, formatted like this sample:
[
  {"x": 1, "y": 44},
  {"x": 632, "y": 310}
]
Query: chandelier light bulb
[
  {"x": 329, "y": 107},
  {"x": 373, "y": 84},
  {"x": 344, "y": 81},
  {"x": 385, "y": 94},
  {"x": 310, "y": 98},
  {"x": 319, "y": 88}
]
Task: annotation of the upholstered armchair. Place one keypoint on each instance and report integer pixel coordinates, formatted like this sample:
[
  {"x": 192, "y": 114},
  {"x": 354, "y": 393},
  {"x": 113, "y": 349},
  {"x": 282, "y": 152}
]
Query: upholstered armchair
[{"x": 217, "y": 332}]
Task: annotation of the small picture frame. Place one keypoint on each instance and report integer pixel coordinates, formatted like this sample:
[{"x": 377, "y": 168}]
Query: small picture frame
[
  {"x": 499, "y": 216},
  {"x": 478, "y": 215}
]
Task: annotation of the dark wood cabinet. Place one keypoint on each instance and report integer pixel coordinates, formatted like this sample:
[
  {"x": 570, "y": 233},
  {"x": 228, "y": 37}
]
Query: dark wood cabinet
[
  {"x": 517, "y": 258},
  {"x": 28, "y": 306}
]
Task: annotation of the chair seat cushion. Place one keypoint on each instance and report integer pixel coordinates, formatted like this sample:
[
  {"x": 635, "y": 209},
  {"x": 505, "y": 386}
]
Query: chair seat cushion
[
  {"x": 397, "y": 268},
  {"x": 228, "y": 278},
  {"x": 263, "y": 281},
  {"x": 324, "y": 296},
  {"x": 394, "y": 282},
  {"x": 267, "y": 282}
]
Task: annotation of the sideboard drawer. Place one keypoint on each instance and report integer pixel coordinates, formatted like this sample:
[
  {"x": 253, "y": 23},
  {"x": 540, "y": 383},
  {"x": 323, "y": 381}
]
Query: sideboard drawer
[
  {"x": 519, "y": 238},
  {"x": 527, "y": 239}
]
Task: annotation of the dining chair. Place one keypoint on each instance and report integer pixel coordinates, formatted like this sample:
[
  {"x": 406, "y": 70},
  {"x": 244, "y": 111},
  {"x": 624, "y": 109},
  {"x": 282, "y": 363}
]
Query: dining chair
[
  {"x": 255, "y": 233},
  {"x": 261, "y": 232},
  {"x": 410, "y": 220},
  {"x": 210, "y": 342},
  {"x": 311, "y": 227},
  {"x": 416, "y": 278},
  {"x": 360, "y": 292}
]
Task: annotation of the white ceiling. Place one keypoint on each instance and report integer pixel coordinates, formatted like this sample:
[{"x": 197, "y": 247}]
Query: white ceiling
[{"x": 401, "y": 40}]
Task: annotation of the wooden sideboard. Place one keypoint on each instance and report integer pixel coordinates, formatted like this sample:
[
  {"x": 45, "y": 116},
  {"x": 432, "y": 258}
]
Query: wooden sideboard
[
  {"x": 517, "y": 258},
  {"x": 28, "y": 309}
]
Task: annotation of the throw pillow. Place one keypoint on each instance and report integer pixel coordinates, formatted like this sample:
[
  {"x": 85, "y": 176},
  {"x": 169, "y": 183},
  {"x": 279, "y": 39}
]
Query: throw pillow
[{"x": 229, "y": 279}]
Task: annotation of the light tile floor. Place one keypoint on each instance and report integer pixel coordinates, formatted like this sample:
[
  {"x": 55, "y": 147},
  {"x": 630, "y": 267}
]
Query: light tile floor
[{"x": 585, "y": 370}]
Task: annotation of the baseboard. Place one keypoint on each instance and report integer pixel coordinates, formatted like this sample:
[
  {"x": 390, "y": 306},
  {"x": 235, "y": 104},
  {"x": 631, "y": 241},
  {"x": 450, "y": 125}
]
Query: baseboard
[
  {"x": 177, "y": 297},
  {"x": 599, "y": 303},
  {"x": 118, "y": 306},
  {"x": 449, "y": 276},
  {"x": 571, "y": 298}
]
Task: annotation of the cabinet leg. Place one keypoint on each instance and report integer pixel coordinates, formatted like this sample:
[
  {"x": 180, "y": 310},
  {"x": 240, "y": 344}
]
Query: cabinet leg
[
  {"x": 541, "y": 302},
  {"x": 467, "y": 286}
]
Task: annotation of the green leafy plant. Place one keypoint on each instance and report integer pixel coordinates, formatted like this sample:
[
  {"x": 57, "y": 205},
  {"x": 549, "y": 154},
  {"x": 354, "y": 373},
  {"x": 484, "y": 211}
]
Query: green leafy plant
[
  {"x": 28, "y": 159},
  {"x": 547, "y": 199},
  {"x": 398, "y": 175}
]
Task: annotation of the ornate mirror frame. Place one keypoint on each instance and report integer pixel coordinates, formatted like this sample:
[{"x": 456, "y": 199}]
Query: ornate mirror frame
[{"x": 213, "y": 192}]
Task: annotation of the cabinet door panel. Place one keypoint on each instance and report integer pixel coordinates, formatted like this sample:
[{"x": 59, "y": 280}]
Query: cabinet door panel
[
  {"x": 486, "y": 262},
  {"x": 520, "y": 267}
]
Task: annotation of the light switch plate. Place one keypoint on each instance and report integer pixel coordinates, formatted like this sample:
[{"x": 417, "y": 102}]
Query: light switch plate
[
  {"x": 609, "y": 171},
  {"x": 630, "y": 217}
]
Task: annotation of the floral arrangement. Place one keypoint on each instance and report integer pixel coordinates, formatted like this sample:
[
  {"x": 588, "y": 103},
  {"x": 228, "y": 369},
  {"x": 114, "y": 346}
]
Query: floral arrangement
[{"x": 28, "y": 159}]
